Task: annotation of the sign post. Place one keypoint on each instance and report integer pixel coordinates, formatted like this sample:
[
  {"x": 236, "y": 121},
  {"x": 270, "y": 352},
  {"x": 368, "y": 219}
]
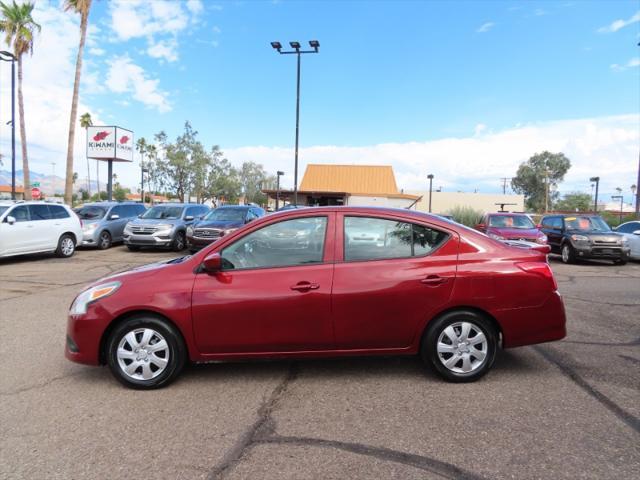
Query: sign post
[{"x": 110, "y": 144}]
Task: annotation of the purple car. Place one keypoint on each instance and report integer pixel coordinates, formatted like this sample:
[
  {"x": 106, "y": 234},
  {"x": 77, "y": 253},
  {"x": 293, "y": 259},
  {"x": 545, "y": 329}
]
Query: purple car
[{"x": 511, "y": 226}]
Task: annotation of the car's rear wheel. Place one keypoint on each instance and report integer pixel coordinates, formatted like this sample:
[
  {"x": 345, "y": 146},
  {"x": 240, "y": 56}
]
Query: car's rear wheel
[
  {"x": 460, "y": 346},
  {"x": 179, "y": 242},
  {"x": 568, "y": 254},
  {"x": 104, "y": 241},
  {"x": 66, "y": 246},
  {"x": 145, "y": 352}
]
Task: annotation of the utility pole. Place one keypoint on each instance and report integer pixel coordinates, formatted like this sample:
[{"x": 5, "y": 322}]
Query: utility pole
[
  {"x": 430, "y": 177},
  {"x": 504, "y": 185},
  {"x": 595, "y": 201}
]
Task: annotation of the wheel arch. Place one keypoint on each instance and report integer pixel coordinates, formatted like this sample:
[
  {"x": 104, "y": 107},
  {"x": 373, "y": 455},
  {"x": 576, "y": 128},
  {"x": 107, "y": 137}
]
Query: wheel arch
[
  {"x": 465, "y": 308},
  {"x": 71, "y": 234},
  {"x": 102, "y": 352}
]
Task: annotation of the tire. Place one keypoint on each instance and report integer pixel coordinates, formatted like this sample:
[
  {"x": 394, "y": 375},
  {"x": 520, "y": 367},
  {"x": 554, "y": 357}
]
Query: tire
[
  {"x": 621, "y": 261},
  {"x": 179, "y": 242},
  {"x": 567, "y": 253},
  {"x": 130, "y": 359},
  {"x": 104, "y": 240},
  {"x": 66, "y": 246},
  {"x": 439, "y": 350},
  {"x": 133, "y": 248}
]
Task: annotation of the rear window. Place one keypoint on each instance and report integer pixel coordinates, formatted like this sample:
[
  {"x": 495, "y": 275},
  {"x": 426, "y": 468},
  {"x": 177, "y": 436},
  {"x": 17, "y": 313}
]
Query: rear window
[{"x": 91, "y": 212}]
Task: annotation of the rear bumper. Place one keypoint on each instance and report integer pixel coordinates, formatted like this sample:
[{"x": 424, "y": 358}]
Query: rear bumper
[{"x": 528, "y": 326}]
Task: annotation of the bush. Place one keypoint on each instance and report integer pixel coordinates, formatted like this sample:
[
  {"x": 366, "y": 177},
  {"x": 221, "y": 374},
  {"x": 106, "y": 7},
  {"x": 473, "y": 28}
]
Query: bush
[{"x": 466, "y": 215}]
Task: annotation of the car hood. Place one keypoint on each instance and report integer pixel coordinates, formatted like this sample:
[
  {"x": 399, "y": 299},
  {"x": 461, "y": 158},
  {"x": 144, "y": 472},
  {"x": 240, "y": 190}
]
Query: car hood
[
  {"x": 515, "y": 232},
  {"x": 218, "y": 224},
  {"x": 150, "y": 221},
  {"x": 137, "y": 273}
]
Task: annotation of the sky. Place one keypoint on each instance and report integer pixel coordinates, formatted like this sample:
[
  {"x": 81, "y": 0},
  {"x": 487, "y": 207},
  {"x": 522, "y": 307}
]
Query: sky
[{"x": 463, "y": 90}]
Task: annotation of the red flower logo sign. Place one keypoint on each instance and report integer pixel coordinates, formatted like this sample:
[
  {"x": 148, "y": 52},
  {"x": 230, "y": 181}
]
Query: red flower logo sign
[
  {"x": 100, "y": 136},
  {"x": 124, "y": 139}
]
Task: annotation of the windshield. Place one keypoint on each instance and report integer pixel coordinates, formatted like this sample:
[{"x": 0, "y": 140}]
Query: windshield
[
  {"x": 163, "y": 212},
  {"x": 91, "y": 213},
  {"x": 227, "y": 215},
  {"x": 586, "y": 224},
  {"x": 3, "y": 208},
  {"x": 511, "y": 221}
]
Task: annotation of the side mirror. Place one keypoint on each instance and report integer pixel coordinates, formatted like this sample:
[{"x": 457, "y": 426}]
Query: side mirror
[
  {"x": 115, "y": 216},
  {"x": 481, "y": 226},
  {"x": 636, "y": 232},
  {"x": 140, "y": 215},
  {"x": 10, "y": 220},
  {"x": 188, "y": 218},
  {"x": 212, "y": 263}
]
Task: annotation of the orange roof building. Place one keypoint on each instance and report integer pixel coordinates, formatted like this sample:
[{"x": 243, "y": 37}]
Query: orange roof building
[{"x": 5, "y": 192}]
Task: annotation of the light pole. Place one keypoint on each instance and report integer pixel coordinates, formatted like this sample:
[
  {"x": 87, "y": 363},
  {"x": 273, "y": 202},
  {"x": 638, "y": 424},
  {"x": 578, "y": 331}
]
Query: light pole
[
  {"x": 618, "y": 197},
  {"x": 11, "y": 58},
  {"x": 634, "y": 189},
  {"x": 142, "y": 172},
  {"x": 595, "y": 202},
  {"x": 278, "y": 175},
  {"x": 315, "y": 44},
  {"x": 430, "y": 177}
]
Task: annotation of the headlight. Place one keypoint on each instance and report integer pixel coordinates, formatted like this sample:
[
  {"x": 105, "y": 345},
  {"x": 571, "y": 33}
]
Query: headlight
[
  {"x": 624, "y": 241},
  {"x": 89, "y": 227},
  {"x": 543, "y": 239},
  {"x": 163, "y": 227},
  {"x": 190, "y": 230},
  {"x": 79, "y": 306},
  {"x": 127, "y": 227},
  {"x": 496, "y": 237},
  {"x": 579, "y": 238},
  {"x": 227, "y": 231}
]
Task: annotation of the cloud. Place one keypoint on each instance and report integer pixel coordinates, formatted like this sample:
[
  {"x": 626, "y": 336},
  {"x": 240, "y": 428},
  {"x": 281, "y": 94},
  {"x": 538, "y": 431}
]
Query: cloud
[
  {"x": 195, "y": 6},
  {"x": 98, "y": 52},
  {"x": 634, "y": 62},
  {"x": 126, "y": 77},
  {"x": 485, "y": 27},
  {"x": 166, "y": 50},
  {"x": 618, "y": 24},
  {"x": 604, "y": 146}
]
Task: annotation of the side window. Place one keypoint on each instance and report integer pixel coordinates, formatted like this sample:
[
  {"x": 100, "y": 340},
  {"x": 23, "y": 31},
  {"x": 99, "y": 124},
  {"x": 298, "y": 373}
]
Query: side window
[
  {"x": 251, "y": 215},
  {"x": 203, "y": 211},
  {"x": 58, "y": 212},
  {"x": 375, "y": 239},
  {"x": 629, "y": 228},
  {"x": 557, "y": 223},
  {"x": 137, "y": 210},
  {"x": 40, "y": 212},
  {"x": 192, "y": 212},
  {"x": 288, "y": 243},
  {"x": 21, "y": 213},
  {"x": 118, "y": 210}
]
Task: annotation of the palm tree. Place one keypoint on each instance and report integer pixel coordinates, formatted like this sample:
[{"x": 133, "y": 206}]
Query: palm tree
[
  {"x": 85, "y": 122},
  {"x": 19, "y": 27},
  {"x": 82, "y": 7}
]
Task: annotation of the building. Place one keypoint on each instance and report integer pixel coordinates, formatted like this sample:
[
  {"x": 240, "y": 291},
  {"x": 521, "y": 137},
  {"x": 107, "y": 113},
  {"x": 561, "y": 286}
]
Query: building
[
  {"x": 443, "y": 202},
  {"x": 5, "y": 192},
  {"x": 135, "y": 197},
  {"x": 370, "y": 185}
]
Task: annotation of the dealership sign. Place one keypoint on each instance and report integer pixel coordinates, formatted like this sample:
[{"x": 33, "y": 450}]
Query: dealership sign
[{"x": 110, "y": 143}]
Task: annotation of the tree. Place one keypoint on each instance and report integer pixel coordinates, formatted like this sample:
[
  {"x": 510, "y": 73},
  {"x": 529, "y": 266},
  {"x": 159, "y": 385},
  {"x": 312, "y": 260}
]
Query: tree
[
  {"x": 82, "y": 7},
  {"x": 85, "y": 122},
  {"x": 19, "y": 27},
  {"x": 252, "y": 178},
  {"x": 575, "y": 202},
  {"x": 543, "y": 170}
]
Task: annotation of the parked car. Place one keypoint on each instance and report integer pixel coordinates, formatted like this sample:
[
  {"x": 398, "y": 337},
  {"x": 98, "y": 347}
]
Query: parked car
[
  {"x": 290, "y": 206},
  {"x": 584, "y": 236},
  {"x": 511, "y": 226},
  {"x": 219, "y": 222},
  {"x": 38, "y": 227},
  {"x": 431, "y": 287},
  {"x": 163, "y": 226},
  {"x": 631, "y": 231},
  {"x": 103, "y": 222}
]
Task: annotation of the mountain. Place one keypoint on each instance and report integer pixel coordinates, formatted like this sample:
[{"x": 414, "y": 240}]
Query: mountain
[{"x": 49, "y": 184}]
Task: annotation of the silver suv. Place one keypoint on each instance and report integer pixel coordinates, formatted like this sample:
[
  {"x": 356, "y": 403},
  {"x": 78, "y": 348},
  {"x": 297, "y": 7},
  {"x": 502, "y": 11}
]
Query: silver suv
[
  {"x": 163, "y": 225},
  {"x": 103, "y": 222}
]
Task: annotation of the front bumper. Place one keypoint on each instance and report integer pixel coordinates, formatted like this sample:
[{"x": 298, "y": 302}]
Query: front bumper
[
  {"x": 196, "y": 243},
  {"x": 152, "y": 240},
  {"x": 606, "y": 252},
  {"x": 84, "y": 333}
]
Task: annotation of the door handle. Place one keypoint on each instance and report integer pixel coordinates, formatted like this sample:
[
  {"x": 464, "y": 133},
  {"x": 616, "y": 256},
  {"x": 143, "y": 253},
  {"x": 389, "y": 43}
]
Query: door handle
[
  {"x": 305, "y": 286},
  {"x": 434, "y": 280}
]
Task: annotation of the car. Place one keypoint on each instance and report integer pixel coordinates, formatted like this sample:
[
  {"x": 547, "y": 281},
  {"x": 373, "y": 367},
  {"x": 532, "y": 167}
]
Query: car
[
  {"x": 163, "y": 226},
  {"x": 219, "y": 222},
  {"x": 588, "y": 236},
  {"x": 432, "y": 288},
  {"x": 103, "y": 222},
  {"x": 631, "y": 231},
  {"x": 511, "y": 226},
  {"x": 290, "y": 206},
  {"x": 38, "y": 227}
]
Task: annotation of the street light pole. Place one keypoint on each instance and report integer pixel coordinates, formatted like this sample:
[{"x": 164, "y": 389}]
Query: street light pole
[
  {"x": 430, "y": 177},
  {"x": 595, "y": 202},
  {"x": 278, "y": 175},
  {"x": 296, "y": 51},
  {"x": 12, "y": 59},
  {"x": 621, "y": 198}
]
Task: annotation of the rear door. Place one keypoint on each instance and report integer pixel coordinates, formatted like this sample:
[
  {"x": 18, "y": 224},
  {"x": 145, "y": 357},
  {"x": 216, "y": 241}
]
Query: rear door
[
  {"x": 44, "y": 231},
  {"x": 392, "y": 277}
]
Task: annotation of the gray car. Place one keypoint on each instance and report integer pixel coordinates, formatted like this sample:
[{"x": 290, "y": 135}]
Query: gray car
[
  {"x": 103, "y": 222},
  {"x": 163, "y": 226},
  {"x": 631, "y": 231}
]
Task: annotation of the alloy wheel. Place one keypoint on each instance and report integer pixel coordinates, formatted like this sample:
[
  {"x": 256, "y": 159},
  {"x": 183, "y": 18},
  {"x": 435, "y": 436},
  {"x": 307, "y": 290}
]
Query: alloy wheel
[
  {"x": 66, "y": 246},
  {"x": 462, "y": 347}
]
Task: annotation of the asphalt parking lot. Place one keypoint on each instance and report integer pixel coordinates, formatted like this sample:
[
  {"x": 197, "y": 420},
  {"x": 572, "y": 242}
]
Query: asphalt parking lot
[{"x": 570, "y": 409}]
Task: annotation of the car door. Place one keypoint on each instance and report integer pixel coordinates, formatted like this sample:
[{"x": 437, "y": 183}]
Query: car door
[
  {"x": 44, "y": 232},
  {"x": 552, "y": 228},
  {"x": 390, "y": 277},
  {"x": 21, "y": 236},
  {"x": 116, "y": 225},
  {"x": 274, "y": 292}
]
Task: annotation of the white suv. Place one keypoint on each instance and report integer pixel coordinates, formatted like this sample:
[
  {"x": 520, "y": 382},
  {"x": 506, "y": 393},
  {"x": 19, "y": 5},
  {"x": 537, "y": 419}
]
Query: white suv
[{"x": 35, "y": 227}]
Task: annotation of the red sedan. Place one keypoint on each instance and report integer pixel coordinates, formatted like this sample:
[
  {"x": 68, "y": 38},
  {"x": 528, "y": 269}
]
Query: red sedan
[{"x": 322, "y": 282}]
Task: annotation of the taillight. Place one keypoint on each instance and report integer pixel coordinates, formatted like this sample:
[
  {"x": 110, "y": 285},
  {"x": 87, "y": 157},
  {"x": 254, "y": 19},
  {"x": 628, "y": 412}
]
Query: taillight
[{"x": 539, "y": 268}]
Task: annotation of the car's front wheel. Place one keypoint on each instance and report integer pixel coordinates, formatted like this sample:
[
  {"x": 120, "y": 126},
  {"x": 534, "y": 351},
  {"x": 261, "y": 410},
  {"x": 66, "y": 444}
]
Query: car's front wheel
[
  {"x": 104, "y": 242},
  {"x": 460, "y": 346},
  {"x": 179, "y": 242},
  {"x": 145, "y": 352}
]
